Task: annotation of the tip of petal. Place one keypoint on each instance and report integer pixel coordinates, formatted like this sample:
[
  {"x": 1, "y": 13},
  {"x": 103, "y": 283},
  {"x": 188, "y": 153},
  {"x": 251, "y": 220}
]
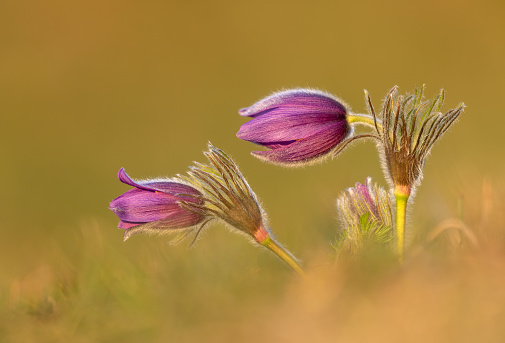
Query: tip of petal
[
  {"x": 124, "y": 178},
  {"x": 121, "y": 174},
  {"x": 240, "y": 134},
  {"x": 244, "y": 112}
]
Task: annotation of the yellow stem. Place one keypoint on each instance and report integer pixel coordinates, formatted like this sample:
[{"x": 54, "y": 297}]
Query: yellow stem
[
  {"x": 402, "y": 196},
  {"x": 283, "y": 254},
  {"x": 364, "y": 119}
]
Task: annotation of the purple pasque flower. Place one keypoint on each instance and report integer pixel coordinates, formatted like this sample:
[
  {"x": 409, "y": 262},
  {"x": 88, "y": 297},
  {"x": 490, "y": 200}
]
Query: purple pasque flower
[
  {"x": 297, "y": 125},
  {"x": 153, "y": 206},
  {"x": 367, "y": 198},
  {"x": 366, "y": 215}
]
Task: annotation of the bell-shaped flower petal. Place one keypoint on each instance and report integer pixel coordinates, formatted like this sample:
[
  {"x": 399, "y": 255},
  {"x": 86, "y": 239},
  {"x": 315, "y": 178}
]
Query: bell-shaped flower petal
[
  {"x": 298, "y": 125},
  {"x": 153, "y": 205}
]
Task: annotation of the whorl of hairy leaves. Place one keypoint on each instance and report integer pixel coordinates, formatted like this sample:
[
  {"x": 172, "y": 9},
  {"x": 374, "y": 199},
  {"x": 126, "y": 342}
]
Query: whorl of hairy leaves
[
  {"x": 407, "y": 128},
  {"x": 226, "y": 194}
]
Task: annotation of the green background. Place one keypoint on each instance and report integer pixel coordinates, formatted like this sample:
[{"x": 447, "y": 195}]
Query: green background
[{"x": 88, "y": 87}]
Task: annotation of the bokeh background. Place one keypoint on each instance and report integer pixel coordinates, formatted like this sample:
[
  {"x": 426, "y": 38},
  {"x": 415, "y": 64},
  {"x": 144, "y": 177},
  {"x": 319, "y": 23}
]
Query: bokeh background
[{"x": 88, "y": 87}]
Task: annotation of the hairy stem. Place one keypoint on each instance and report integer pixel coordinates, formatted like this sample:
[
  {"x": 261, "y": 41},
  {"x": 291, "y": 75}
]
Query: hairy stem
[
  {"x": 402, "y": 196},
  {"x": 283, "y": 254},
  {"x": 364, "y": 119}
]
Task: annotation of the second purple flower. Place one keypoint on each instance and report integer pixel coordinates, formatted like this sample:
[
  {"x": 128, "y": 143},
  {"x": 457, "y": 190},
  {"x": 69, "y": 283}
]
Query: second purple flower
[
  {"x": 298, "y": 125},
  {"x": 152, "y": 206}
]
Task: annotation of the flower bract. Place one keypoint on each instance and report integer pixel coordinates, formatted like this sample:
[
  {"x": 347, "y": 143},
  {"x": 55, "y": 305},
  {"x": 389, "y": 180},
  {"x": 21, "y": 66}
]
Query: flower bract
[
  {"x": 226, "y": 195},
  {"x": 407, "y": 128}
]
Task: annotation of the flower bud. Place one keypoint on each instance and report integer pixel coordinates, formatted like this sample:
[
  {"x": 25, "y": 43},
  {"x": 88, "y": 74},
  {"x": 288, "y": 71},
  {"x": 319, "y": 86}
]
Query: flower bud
[{"x": 366, "y": 215}]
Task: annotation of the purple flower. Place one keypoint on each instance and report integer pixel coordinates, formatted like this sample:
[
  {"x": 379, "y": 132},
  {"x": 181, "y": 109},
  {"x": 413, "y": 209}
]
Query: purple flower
[
  {"x": 365, "y": 212},
  {"x": 153, "y": 206},
  {"x": 362, "y": 199},
  {"x": 297, "y": 125}
]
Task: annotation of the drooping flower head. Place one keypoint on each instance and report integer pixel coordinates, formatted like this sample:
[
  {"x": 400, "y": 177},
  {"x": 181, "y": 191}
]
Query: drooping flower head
[
  {"x": 366, "y": 215},
  {"x": 187, "y": 203},
  {"x": 226, "y": 195},
  {"x": 407, "y": 128},
  {"x": 153, "y": 206},
  {"x": 297, "y": 125}
]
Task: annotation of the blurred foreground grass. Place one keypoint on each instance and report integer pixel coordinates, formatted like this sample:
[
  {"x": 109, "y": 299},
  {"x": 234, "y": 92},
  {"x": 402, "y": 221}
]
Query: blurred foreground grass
[{"x": 99, "y": 289}]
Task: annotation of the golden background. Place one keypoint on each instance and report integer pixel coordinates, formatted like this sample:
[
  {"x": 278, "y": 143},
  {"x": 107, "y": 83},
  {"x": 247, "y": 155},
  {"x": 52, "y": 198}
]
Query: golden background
[{"x": 88, "y": 87}]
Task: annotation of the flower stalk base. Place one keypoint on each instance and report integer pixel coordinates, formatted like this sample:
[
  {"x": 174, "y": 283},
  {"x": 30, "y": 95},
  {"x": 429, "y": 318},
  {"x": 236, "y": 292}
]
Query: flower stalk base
[
  {"x": 283, "y": 254},
  {"x": 402, "y": 195}
]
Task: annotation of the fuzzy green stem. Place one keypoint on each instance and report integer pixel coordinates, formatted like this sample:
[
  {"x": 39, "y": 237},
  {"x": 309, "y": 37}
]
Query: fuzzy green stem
[
  {"x": 402, "y": 196},
  {"x": 364, "y": 119},
  {"x": 283, "y": 254}
]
